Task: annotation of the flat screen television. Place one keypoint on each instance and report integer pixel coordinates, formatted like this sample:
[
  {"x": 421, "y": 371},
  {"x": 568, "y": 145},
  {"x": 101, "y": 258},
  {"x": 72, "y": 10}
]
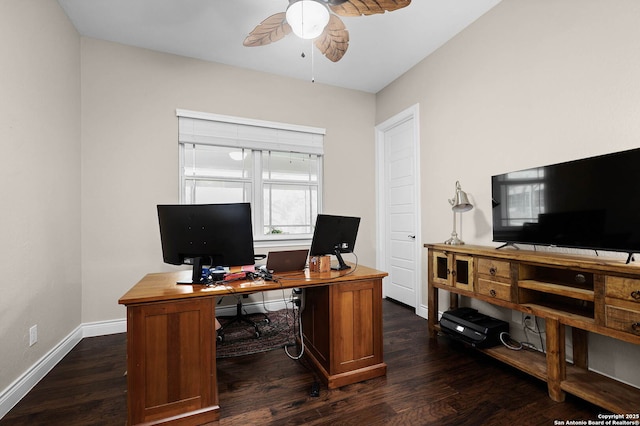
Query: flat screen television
[
  {"x": 206, "y": 235},
  {"x": 334, "y": 235},
  {"x": 591, "y": 203}
]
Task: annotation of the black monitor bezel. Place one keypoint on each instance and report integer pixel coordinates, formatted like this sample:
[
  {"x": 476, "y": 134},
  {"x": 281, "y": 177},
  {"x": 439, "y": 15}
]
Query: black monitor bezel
[
  {"x": 335, "y": 235},
  {"x": 206, "y": 235}
]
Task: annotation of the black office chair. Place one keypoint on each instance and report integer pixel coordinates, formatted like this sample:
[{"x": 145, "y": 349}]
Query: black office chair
[{"x": 241, "y": 317}]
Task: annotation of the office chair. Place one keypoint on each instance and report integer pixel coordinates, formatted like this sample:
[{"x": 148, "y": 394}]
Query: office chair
[{"x": 240, "y": 317}]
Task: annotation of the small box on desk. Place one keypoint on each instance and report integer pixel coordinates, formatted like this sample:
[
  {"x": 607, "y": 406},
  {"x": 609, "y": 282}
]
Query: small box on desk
[{"x": 320, "y": 263}]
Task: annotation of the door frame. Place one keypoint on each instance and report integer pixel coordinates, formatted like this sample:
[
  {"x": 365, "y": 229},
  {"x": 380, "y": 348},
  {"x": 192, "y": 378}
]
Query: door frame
[{"x": 413, "y": 112}]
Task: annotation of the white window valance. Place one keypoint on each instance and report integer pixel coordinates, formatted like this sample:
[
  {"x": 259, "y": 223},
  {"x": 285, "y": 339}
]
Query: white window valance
[{"x": 214, "y": 129}]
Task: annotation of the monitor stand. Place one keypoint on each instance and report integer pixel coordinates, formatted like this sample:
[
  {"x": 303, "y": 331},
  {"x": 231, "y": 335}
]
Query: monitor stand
[
  {"x": 508, "y": 245},
  {"x": 341, "y": 263},
  {"x": 630, "y": 258},
  {"x": 196, "y": 273}
]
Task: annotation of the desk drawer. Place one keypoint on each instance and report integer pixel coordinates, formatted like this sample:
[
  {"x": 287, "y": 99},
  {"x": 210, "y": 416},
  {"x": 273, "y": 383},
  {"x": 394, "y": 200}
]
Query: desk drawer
[
  {"x": 623, "y": 319},
  {"x": 494, "y": 268},
  {"x": 623, "y": 288},
  {"x": 494, "y": 289}
]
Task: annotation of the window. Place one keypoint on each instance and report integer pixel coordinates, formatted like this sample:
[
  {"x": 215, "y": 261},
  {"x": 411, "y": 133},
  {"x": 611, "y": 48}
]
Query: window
[{"x": 276, "y": 167}]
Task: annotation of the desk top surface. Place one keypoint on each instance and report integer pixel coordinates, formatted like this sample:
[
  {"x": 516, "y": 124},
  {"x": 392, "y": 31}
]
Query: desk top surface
[{"x": 162, "y": 286}]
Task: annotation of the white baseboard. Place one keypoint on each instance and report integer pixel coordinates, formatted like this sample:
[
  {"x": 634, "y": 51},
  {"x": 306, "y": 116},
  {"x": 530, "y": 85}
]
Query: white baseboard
[
  {"x": 17, "y": 390},
  {"x": 104, "y": 328},
  {"x": 422, "y": 311},
  {"x": 23, "y": 384}
]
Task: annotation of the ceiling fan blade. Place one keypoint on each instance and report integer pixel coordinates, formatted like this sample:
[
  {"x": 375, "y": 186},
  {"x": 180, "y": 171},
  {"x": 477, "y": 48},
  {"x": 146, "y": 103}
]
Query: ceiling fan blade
[
  {"x": 334, "y": 40},
  {"x": 367, "y": 7},
  {"x": 272, "y": 29}
]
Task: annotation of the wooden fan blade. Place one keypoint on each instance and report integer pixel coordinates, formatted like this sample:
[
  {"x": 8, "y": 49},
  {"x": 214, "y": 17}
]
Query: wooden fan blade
[
  {"x": 334, "y": 40},
  {"x": 272, "y": 29},
  {"x": 368, "y": 7}
]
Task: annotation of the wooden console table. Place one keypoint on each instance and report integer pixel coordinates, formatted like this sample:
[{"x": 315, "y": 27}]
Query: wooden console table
[
  {"x": 171, "y": 338},
  {"x": 580, "y": 294}
]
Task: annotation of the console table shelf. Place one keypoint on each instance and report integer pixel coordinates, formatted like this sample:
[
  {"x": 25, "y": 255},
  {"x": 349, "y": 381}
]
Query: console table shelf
[
  {"x": 557, "y": 310},
  {"x": 573, "y": 294},
  {"x": 558, "y": 289},
  {"x": 608, "y": 393},
  {"x": 529, "y": 361}
]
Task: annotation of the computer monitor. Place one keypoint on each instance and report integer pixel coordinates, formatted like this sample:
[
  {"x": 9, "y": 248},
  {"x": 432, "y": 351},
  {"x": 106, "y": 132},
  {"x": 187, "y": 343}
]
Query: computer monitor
[
  {"x": 206, "y": 235},
  {"x": 334, "y": 235}
]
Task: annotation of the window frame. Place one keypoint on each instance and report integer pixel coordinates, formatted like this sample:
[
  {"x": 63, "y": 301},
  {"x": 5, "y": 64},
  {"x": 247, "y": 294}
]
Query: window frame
[{"x": 259, "y": 136}]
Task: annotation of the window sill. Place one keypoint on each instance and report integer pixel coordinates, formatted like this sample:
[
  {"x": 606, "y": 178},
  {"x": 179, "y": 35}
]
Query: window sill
[{"x": 284, "y": 240}]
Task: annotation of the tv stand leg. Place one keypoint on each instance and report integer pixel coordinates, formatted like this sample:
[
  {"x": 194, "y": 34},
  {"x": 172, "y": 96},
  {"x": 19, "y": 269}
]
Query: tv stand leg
[
  {"x": 556, "y": 364},
  {"x": 432, "y": 311},
  {"x": 630, "y": 258},
  {"x": 508, "y": 245}
]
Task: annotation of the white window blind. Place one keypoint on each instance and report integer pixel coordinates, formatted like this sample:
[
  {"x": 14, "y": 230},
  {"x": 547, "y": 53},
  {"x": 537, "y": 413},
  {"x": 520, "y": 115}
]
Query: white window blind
[{"x": 221, "y": 130}]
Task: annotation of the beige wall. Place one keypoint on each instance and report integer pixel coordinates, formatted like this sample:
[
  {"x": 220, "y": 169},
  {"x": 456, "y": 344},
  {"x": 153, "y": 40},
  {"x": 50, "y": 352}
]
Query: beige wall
[
  {"x": 529, "y": 83},
  {"x": 130, "y": 153},
  {"x": 39, "y": 182}
]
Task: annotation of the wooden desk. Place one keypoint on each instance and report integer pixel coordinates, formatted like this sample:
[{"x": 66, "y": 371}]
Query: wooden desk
[{"x": 171, "y": 339}]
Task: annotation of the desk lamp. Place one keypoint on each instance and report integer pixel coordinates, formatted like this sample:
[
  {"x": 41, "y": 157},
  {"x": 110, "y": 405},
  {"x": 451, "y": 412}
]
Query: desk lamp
[{"x": 459, "y": 204}]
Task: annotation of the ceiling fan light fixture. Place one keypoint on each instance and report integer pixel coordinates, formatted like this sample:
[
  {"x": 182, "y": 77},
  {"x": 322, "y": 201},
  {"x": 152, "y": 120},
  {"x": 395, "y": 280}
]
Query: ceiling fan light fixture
[{"x": 307, "y": 18}]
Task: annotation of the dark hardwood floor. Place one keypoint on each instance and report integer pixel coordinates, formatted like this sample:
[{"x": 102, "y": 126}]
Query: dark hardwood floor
[{"x": 429, "y": 382}]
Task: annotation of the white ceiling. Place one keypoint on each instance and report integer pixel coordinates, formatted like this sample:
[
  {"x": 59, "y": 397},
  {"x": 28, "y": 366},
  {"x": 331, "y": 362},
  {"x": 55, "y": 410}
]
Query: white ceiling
[{"x": 382, "y": 47}]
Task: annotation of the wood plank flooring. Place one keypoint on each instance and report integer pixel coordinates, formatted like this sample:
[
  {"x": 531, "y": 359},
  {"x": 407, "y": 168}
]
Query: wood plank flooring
[{"x": 428, "y": 383}]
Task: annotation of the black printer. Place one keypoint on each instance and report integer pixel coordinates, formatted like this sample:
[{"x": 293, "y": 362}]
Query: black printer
[{"x": 472, "y": 327}]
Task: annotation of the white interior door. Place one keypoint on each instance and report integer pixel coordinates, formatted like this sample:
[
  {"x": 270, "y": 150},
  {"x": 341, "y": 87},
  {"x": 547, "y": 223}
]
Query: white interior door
[{"x": 398, "y": 206}]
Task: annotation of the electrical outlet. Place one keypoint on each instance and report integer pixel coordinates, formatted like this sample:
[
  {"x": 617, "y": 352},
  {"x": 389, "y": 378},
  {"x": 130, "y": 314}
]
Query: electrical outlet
[
  {"x": 530, "y": 322},
  {"x": 33, "y": 335}
]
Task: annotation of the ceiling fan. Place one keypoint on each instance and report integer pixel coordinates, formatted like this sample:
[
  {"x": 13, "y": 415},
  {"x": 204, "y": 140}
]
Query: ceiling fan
[{"x": 312, "y": 19}]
